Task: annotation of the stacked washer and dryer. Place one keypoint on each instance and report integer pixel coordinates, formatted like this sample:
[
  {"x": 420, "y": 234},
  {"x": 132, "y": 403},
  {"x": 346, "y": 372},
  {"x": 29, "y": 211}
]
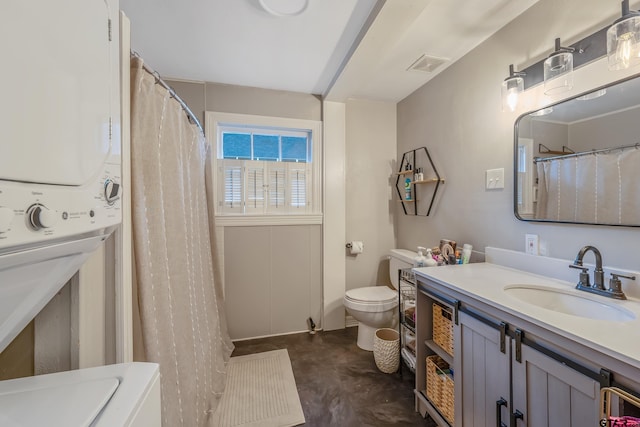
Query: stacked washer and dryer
[{"x": 60, "y": 176}]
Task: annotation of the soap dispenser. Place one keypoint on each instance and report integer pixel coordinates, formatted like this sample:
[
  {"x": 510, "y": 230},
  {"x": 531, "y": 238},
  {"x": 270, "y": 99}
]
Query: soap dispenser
[
  {"x": 420, "y": 260},
  {"x": 430, "y": 262}
]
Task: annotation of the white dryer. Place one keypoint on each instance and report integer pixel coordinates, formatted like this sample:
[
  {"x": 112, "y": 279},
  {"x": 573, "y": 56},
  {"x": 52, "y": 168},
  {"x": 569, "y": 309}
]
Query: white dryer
[{"x": 60, "y": 187}]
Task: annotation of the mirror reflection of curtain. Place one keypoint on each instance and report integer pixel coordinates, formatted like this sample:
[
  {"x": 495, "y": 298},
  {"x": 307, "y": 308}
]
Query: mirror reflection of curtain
[
  {"x": 591, "y": 188},
  {"x": 181, "y": 306}
]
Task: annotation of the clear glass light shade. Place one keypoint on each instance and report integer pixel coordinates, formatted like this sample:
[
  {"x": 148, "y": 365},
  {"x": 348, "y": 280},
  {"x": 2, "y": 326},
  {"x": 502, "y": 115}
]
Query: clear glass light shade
[
  {"x": 511, "y": 90},
  {"x": 623, "y": 43},
  {"x": 542, "y": 112},
  {"x": 558, "y": 73}
]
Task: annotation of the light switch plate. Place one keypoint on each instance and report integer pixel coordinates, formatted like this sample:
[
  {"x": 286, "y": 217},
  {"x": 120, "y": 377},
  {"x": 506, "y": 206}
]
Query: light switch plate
[
  {"x": 531, "y": 244},
  {"x": 495, "y": 179}
]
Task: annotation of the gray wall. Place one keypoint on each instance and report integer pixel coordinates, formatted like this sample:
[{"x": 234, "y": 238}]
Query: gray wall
[
  {"x": 272, "y": 274},
  {"x": 458, "y": 116},
  {"x": 273, "y": 279},
  {"x": 611, "y": 130},
  {"x": 201, "y": 97},
  {"x": 370, "y": 162},
  {"x": 606, "y": 131}
]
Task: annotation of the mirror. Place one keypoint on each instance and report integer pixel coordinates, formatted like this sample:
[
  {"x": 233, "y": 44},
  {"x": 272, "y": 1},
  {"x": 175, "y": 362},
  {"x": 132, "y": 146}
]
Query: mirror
[{"x": 578, "y": 161}]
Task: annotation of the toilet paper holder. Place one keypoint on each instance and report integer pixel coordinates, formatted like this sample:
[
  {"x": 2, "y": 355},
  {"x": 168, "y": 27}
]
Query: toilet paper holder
[{"x": 355, "y": 247}]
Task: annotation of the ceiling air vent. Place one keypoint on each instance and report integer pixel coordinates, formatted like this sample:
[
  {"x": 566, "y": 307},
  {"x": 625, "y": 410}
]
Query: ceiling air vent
[{"x": 427, "y": 64}]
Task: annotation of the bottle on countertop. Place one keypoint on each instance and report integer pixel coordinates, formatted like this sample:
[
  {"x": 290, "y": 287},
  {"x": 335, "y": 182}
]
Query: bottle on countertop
[
  {"x": 466, "y": 253},
  {"x": 420, "y": 260},
  {"x": 430, "y": 262}
]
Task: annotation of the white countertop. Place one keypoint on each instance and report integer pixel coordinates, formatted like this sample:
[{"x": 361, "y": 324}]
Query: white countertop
[{"x": 486, "y": 282}]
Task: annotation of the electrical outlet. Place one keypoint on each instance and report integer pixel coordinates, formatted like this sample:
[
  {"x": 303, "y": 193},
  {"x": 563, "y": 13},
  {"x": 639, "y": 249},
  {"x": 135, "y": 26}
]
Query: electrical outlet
[
  {"x": 495, "y": 179},
  {"x": 531, "y": 244}
]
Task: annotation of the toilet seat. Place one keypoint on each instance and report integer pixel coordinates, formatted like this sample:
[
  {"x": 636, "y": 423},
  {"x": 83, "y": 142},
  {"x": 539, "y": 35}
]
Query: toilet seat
[{"x": 371, "y": 299}]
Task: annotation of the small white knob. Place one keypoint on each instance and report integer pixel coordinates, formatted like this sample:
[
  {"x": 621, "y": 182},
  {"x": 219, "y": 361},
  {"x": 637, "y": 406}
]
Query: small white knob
[
  {"x": 40, "y": 217},
  {"x": 6, "y": 216}
]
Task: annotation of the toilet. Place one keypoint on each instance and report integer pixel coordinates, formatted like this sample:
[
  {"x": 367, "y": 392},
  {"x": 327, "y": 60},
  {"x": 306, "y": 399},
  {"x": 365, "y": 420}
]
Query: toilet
[{"x": 376, "y": 307}]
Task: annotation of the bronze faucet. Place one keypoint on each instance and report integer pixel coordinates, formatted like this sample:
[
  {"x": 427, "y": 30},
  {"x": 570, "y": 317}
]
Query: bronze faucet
[{"x": 615, "y": 287}]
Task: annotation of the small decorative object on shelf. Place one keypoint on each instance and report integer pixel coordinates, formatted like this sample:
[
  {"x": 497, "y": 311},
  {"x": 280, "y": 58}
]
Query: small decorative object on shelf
[{"x": 408, "y": 189}]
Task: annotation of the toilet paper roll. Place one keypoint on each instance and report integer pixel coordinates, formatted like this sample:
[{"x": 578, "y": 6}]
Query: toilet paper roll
[{"x": 357, "y": 247}]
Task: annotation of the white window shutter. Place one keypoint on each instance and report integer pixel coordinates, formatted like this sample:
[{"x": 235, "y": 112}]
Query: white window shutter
[
  {"x": 299, "y": 187},
  {"x": 255, "y": 187},
  {"x": 277, "y": 187},
  {"x": 230, "y": 194}
]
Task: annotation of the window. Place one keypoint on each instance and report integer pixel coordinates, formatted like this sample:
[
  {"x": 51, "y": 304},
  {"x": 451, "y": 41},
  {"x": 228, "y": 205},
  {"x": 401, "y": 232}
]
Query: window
[{"x": 265, "y": 166}]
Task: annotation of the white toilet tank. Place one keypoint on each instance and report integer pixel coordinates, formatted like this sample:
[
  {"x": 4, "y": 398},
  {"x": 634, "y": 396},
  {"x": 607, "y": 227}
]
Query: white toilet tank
[{"x": 399, "y": 259}]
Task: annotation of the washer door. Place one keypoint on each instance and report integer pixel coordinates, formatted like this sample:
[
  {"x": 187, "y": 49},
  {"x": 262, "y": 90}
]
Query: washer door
[{"x": 55, "y": 109}]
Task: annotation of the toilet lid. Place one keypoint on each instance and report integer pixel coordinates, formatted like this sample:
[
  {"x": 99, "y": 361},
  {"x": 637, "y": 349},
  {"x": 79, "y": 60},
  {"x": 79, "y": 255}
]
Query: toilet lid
[{"x": 372, "y": 294}]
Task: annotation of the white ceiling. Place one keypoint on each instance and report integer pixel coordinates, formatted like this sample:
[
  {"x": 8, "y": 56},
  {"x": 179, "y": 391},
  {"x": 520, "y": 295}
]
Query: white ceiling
[{"x": 322, "y": 51}]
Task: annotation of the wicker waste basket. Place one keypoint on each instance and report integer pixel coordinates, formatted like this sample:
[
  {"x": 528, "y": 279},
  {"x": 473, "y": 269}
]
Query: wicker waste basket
[{"x": 386, "y": 350}]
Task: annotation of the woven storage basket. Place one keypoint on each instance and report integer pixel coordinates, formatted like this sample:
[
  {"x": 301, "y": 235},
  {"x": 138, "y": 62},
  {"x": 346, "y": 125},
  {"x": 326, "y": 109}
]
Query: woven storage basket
[
  {"x": 386, "y": 350},
  {"x": 443, "y": 328},
  {"x": 440, "y": 386}
]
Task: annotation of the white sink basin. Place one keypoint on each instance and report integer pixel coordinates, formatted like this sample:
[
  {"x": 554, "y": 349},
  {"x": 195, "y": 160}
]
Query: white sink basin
[{"x": 569, "y": 302}]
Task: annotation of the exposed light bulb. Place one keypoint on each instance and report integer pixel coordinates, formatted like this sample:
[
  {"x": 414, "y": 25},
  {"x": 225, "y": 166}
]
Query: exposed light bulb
[
  {"x": 512, "y": 86},
  {"x": 623, "y": 44},
  {"x": 512, "y": 98},
  {"x": 625, "y": 49}
]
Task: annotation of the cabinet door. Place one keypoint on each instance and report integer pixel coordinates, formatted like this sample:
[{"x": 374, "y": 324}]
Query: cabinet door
[
  {"x": 481, "y": 373},
  {"x": 549, "y": 393}
]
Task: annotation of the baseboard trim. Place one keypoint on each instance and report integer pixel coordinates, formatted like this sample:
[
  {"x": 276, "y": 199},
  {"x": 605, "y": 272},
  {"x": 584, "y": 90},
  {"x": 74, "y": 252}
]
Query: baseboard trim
[{"x": 272, "y": 335}]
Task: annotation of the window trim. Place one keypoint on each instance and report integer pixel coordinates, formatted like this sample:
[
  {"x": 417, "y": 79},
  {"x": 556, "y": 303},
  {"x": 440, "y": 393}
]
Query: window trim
[
  {"x": 214, "y": 120},
  {"x": 528, "y": 196}
]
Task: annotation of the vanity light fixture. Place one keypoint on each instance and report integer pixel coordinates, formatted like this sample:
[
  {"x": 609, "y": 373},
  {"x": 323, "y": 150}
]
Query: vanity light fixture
[
  {"x": 512, "y": 87},
  {"x": 619, "y": 42},
  {"x": 623, "y": 40},
  {"x": 542, "y": 112},
  {"x": 592, "y": 95},
  {"x": 558, "y": 70}
]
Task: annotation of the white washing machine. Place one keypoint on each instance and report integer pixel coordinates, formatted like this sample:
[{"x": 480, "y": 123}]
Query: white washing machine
[
  {"x": 60, "y": 173},
  {"x": 107, "y": 396}
]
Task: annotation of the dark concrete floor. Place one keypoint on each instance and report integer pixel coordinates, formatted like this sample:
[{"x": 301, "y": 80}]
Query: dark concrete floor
[{"x": 339, "y": 384}]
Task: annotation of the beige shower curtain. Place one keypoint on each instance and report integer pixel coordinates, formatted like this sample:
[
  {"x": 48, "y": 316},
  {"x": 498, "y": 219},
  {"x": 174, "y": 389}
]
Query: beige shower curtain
[
  {"x": 591, "y": 188},
  {"x": 181, "y": 308}
]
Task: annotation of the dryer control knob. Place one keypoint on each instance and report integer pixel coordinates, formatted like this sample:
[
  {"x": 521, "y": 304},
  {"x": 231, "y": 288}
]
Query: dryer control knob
[
  {"x": 40, "y": 217},
  {"x": 6, "y": 216},
  {"x": 111, "y": 191}
]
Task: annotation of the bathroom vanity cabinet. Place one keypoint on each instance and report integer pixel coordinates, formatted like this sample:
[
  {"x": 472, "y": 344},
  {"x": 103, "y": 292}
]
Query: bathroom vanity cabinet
[
  {"x": 545, "y": 391},
  {"x": 508, "y": 370}
]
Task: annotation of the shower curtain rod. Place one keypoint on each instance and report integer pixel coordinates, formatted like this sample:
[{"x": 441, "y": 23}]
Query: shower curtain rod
[
  {"x": 584, "y": 153},
  {"x": 192, "y": 117}
]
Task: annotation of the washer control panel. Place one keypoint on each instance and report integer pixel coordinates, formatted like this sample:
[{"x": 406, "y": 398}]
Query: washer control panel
[{"x": 35, "y": 213}]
